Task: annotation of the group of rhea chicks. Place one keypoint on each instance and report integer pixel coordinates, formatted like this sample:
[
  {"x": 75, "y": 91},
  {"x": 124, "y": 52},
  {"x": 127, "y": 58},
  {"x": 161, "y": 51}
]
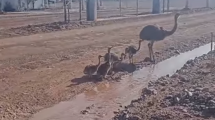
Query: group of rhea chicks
[
  {"x": 110, "y": 62},
  {"x": 151, "y": 33}
]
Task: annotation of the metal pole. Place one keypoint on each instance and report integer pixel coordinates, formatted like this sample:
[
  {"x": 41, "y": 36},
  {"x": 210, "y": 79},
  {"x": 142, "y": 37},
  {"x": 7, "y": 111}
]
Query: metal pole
[
  {"x": 68, "y": 14},
  {"x": 212, "y": 36},
  {"x": 64, "y": 5},
  {"x": 137, "y": 7},
  {"x": 163, "y": 6},
  {"x": 1, "y": 6},
  {"x": 100, "y": 2},
  {"x": 168, "y": 5},
  {"x": 120, "y": 7},
  {"x": 156, "y": 9},
  {"x": 211, "y": 41},
  {"x": 187, "y": 4},
  {"x": 207, "y": 3},
  {"x": 80, "y": 11},
  {"x": 82, "y": 5},
  {"x": 98, "y": 5}
]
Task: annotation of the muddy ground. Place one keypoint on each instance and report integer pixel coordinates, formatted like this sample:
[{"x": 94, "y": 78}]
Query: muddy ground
[
  {"x": 187, "y": 94},
  {"x": 40, "y": 70}
]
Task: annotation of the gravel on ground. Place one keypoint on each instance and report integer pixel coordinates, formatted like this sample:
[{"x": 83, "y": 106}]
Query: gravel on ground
[
  {"x": 187, "y": 94},
  {"x": 38, "y": 71}
]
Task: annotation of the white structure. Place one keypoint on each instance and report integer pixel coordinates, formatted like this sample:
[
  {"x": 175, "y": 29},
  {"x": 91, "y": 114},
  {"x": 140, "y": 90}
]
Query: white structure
[{"x": 20, "y": 5}]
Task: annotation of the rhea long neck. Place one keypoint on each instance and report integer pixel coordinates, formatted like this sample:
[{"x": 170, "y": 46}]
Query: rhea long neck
[
  {"x": 99, "y": 61},
  {"x": 139, "y": 46},
  {"x": 168, "y": 33},
  {"x": 109, "y": 57}
]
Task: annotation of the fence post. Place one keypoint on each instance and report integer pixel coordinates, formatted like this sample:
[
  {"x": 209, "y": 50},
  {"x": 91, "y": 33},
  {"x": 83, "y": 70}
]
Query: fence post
[
  {"x": 101, "y": 3},
  {"x": 168, "y": 5},
  {"x": 68, "y": 14},
  {"x": 137, "y": 7},
  {"x": 64, "y": 7},
  {"x": 212, "y": 40},
  {"x": 207, "y": 3},
  {"x": 82, "y": 5},
  {"x": 187, "y": 4},
  {"x": 98, "y": 5},
  {"x": 156, "y": 7},
  {"x": 164, "y": 5},
  {"x": 80, "y": 10},
  {"x": 120, "y": 7},
  {"x": 91, "y": 10}
]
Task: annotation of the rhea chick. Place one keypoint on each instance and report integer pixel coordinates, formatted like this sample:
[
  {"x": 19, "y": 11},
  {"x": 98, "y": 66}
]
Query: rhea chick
[
  {"x": 113, "y": 57},
  {"x": 131, "y": 50},
  {"x": 92, "y": 69},
  {"x": 105, "y": 67}
]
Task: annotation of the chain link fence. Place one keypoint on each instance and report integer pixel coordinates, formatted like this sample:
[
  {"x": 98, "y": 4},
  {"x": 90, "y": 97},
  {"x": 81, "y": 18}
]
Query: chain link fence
[
  {"x": 111, "y": 8},
  {"x": 116, "y": 8},
  {"x": 134, "y": 7}
]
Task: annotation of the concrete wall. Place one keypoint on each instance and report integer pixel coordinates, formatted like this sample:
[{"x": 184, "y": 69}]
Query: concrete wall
[{"x": 37, "y": 4}]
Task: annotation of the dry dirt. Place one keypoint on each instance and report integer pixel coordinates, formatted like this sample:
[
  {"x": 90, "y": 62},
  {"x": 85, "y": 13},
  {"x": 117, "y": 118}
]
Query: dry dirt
[
  {"x": 188, "y": 94},
  {"x": 111, "y": 9},
  {"x": 13, "y": 26},
  {"x": 40, "y": 70},
  {"x": 12, "y": 21}
]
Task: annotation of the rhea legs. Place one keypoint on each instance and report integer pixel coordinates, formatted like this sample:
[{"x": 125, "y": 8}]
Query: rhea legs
[{"x": 151, "y": 53}]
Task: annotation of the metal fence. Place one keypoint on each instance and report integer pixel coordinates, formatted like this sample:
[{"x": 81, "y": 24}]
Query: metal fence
[{"x": 114, "y": 8}]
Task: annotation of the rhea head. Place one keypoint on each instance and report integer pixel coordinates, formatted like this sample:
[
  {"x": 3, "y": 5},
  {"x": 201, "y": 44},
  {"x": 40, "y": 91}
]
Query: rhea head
[{"x": 177, "y": 15}]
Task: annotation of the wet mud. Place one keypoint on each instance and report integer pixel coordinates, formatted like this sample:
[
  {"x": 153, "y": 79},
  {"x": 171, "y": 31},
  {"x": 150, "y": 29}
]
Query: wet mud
[
  {"x": 92, "y": 104},
  {"x": 187, "y": 94}
]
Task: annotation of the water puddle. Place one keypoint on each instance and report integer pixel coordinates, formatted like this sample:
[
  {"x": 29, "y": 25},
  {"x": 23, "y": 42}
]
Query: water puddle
[{"x": 102, "y": 100}]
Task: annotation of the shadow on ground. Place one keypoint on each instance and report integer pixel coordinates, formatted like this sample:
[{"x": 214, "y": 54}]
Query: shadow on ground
[{"x": 120, "y": 69}]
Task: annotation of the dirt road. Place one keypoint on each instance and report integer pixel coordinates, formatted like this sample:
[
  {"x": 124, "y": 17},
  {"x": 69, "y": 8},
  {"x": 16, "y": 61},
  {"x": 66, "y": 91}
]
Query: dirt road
[
  {"x": 111, "y": 10},
  {"x": 17, "y": 20},
  {"x": 40, "y": 70}
]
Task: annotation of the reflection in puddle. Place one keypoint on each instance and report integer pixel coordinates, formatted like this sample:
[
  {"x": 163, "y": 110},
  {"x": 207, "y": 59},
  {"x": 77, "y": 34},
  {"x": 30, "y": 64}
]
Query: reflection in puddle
[
  {"x": 111, "y": 95},
  {"x": 171, "y": 65},
  {"x": 102, "y": 87}
]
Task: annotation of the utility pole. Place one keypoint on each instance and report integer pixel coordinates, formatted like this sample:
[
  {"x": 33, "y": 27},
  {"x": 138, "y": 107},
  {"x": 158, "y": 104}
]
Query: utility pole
[{"x": 64, "y": 5}]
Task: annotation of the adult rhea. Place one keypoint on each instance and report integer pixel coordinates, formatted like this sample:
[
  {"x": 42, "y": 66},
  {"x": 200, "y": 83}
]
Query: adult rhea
[{"x": 154, "y": 33}]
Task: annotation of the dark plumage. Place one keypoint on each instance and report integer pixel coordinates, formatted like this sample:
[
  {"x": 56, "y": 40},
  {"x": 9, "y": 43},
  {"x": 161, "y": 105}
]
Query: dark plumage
[
  {"x": 105, "y": 67},
  {"x": 154, "y": 33},
  {"x": 92, "y": 69},
  {"x": 131, "y": 50},
  {"x": 116, "y": 65}
]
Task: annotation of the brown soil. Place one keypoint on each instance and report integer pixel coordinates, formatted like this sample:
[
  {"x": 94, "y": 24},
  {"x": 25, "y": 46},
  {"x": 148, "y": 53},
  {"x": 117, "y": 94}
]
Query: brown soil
[
  {"x": 189, "y": 94},
  {"x": 40, "y": 70}
]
